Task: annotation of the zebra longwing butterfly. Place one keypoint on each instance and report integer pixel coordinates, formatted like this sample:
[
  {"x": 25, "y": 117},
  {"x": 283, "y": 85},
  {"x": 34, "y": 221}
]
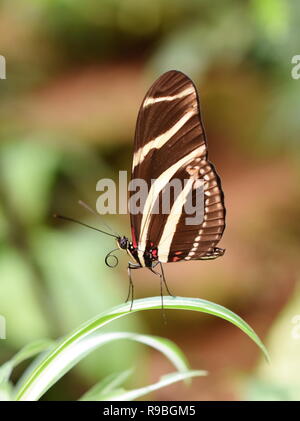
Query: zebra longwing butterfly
[{"x": 170, "y": 143}]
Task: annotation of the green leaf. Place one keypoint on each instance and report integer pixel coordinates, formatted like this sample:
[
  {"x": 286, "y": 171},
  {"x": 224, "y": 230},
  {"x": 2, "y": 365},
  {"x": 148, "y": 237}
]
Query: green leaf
[
  {"x": 107, "y": 385},
  {"x": 28, "y": 351},
  {"x": 6, "y": 391},
  {"x": 31, "y": 350},
  {"x": 71, "y": 355},
  {"x": 124, "y": 395},
  {"x": 44, "y": 374},
  {"x": 5, "y": 372}
]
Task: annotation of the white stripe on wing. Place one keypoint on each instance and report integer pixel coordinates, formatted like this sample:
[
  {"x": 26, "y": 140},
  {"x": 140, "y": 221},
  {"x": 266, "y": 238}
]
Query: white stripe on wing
[
  {"x": 160, "y": 140},
  {"x": 154, "y": 191},
  {"x": 150, "y": 100},
  {"x": 172, "y": 221}
]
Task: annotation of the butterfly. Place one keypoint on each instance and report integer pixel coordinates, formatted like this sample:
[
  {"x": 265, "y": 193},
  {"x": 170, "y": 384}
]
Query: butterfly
[{"x": 170, "y": 143}]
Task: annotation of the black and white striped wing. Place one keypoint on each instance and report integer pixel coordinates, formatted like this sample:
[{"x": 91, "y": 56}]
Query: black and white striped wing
[{"x": 170, "y": 144}]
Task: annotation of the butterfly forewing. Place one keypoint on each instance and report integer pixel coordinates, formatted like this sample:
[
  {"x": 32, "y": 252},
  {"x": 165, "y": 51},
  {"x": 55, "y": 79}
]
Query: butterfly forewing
[{"x": 170, "y": 145}]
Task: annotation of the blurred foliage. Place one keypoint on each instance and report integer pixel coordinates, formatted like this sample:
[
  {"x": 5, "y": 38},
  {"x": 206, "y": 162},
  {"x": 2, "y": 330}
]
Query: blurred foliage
[
  {"x": 280, "y": 380},
  {"x": 76, "y": 74}
]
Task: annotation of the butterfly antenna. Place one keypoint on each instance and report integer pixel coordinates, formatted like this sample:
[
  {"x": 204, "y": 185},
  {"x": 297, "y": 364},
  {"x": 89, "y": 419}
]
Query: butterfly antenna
[
  {"x": 87, "y": 207},
  {"x": 66, "y": 218}
]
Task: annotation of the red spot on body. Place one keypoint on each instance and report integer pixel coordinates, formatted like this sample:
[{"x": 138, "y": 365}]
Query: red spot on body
[
  {"x": 134, "y": 243},
  {"x": 175, "y": 259}
]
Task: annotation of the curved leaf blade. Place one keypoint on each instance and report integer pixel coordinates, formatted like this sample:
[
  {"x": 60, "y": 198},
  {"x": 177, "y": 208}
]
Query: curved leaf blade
[
  {"x": 71, "y": 355},
  {"x": 34, "y": 387},
  {"x": 129, "y": 395}
]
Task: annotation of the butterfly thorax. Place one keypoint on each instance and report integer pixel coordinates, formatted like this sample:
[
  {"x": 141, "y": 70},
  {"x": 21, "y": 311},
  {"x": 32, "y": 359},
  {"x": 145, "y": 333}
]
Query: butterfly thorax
[
  {"x": 124, "y": 244},
  {"x": 149, "y": 255}
]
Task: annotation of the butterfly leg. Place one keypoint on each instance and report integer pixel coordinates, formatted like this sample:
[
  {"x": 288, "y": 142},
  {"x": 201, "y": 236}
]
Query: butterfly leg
[
  {"x": 131, "y": 287},
  {"x": 162, "y": 280},
  {"x": 161, "y": 293},
  {"x": 162, "y": 277}
]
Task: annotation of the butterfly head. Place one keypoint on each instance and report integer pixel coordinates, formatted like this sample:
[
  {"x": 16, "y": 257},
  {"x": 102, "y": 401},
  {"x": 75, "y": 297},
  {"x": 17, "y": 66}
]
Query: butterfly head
[{"x": 122, "y": 242}]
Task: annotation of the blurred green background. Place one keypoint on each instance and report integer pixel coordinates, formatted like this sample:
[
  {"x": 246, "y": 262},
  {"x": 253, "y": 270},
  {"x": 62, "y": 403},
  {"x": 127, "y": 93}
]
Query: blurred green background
[{"x": 76, "y": 75}]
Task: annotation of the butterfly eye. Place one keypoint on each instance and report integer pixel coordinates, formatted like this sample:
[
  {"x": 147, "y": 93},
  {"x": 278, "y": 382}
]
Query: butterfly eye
[{"x": 123, "y": 243}]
